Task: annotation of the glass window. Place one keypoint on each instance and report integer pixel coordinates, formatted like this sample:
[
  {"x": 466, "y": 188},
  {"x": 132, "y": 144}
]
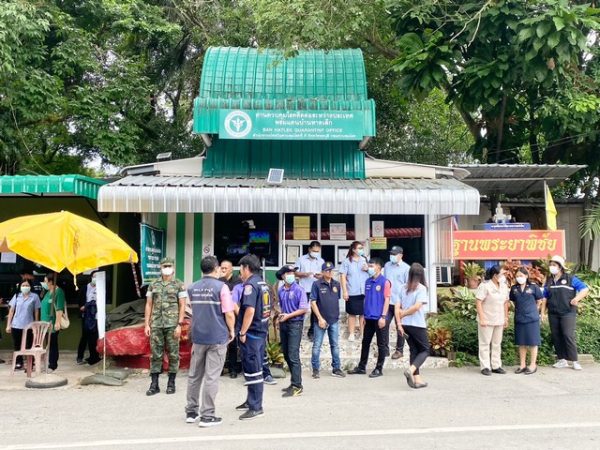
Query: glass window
[
  {"x": 239, "y": 234},
  {"x": 405, "y": 231},
  {"x": 328, "y": 219}
]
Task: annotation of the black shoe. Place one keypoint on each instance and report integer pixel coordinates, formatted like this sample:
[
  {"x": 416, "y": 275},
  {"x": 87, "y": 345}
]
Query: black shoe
[
  {"x": 293, "y": 392},
  {"x": 357, "y": 371},
  {"x": 249, "y": 415},
  {"x": 191, "y": 417},
  {"x": 420, "y": 385},
  {"x": 80, "y": 361},
  {"x": 410, "y": 379},
  {"x": 338, "y": 373},
  {"x": 499, "y": 370},
  {"x": 171, "y": 383},
  {"x": 2, "y": 361},
  {"x": 232, "y": 375},
  {"x": 376, "y": 373},
  {"x": 244, "y": 406},
  {"x": 315, "y": 374},
  {"x": 91, "y": 362},
  {"x": 153, "y": 389},
  {"x": 528, "y": 371},
  {"x": 206, "y": 422},
  {"x": 520, "y": 370},
  {"x": 486, "y": 372}
]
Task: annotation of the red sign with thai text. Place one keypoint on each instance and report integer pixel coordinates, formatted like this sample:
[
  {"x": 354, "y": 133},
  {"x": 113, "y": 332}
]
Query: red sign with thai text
[{"x": 500, "y": 245}]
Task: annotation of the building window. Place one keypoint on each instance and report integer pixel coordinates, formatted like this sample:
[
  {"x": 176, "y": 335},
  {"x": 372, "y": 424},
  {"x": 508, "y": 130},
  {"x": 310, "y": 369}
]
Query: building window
[
  {"x": 239, "y": 234},
  {"x": 405, "y": 231}
]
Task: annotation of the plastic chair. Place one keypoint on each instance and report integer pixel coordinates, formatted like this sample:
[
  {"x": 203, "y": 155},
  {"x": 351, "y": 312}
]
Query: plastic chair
[{"x": 38, "y": 348}]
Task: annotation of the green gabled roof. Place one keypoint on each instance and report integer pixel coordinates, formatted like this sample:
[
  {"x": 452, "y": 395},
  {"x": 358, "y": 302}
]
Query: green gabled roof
[
  {"x": 40, "y": 185},
  {"x": 252, "y": 79}
]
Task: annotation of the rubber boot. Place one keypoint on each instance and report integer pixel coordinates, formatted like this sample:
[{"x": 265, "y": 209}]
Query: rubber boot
[
  {"x": 171, "y": 383},
  {"x": 153, "y": 389}
]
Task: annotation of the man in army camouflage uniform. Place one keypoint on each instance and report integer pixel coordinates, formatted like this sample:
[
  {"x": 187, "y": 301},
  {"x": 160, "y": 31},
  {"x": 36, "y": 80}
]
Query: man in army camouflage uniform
[{"x": 163, "y": 318}]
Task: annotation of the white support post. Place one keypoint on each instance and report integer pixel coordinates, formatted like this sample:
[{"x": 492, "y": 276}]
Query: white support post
[{"x": 430, "y": 246}]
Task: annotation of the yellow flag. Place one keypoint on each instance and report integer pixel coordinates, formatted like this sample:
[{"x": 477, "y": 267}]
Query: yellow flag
[{"x": 550, "y": 209}]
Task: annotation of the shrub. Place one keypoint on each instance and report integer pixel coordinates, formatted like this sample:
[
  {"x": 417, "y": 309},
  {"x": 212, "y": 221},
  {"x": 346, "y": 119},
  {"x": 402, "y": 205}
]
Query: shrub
[
  {"x": 465, "y": 342},
  {"x": 461, "y": 301}
]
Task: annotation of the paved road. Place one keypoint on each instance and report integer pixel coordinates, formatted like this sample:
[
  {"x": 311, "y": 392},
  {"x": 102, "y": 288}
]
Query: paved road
[{"x": 461, "y": 409}]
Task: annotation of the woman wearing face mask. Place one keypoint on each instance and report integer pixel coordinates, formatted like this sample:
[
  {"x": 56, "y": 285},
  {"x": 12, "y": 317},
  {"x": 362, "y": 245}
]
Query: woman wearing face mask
[
  {"x": 52, "y": 309},
  {"x": 492, "y": 317},
  {"x": 89, "y": 325},
  {"x": 563, "y": 292},
  {"x": 353, "y": 277},
  {"x": 527, "y": 298},
  {"x": 24, "y": 309}
]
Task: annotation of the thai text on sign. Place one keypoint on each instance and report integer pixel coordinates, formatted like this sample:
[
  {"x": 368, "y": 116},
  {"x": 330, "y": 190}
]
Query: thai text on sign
[{"x": 498, "y": 245}]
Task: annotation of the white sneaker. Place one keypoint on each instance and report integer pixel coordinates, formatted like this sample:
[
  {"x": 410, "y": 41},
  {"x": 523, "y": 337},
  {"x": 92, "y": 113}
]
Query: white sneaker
[
  {"x": 561, "y": 364},
  {"x": 576, "y": 365},
  {"x": 351, "y": 337}
]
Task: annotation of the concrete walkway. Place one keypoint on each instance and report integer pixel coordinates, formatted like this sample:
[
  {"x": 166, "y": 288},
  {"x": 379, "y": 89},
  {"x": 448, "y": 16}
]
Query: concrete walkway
[{"x": 460, "y": 409}]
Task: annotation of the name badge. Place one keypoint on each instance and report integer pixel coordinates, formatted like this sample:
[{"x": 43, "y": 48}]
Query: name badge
[
  {"x": 378, "y": 288},
  {"x": 335, "y": 289}
]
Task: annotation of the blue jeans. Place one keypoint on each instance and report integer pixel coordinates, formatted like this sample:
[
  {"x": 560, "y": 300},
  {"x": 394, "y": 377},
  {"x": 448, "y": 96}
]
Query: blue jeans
[
  {"x": 291, "y": 336},
  {"x": 333, "y": 333}
]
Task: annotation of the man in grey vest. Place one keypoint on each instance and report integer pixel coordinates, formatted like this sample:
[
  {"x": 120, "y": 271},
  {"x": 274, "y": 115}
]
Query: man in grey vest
[{"x": 212, "y": 329}]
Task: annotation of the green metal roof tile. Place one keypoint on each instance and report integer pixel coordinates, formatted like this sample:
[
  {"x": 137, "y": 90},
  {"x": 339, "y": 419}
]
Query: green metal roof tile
[{"x": 76, "y": 185}]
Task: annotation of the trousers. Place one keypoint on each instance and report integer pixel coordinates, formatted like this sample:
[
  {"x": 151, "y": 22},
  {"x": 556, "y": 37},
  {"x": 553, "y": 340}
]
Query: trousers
[
  {"x": 159, "y": 338},
  {"x": 562, "y": 331},
  {"x": 205, "y": 368},
  {"x": 253, "y": 351},
  {"x": 490, "y": 346},
  {"x": 371, "y": 329}
]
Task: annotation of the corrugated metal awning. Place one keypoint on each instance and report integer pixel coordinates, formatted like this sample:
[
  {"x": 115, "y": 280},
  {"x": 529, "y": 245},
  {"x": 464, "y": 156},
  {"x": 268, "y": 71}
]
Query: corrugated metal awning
[
  {"x": 516, "y": 179},
  {"x": 222, "y": 195},
  {"x": 50, "y": 185}
]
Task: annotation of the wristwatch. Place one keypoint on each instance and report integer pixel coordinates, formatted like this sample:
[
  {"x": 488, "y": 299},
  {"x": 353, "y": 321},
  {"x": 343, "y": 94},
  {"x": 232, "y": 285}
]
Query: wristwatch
[
  {"x": 383, "y": 317},
  {"x": 241, "y": 334},
  {"x": 180, "y": 324}
]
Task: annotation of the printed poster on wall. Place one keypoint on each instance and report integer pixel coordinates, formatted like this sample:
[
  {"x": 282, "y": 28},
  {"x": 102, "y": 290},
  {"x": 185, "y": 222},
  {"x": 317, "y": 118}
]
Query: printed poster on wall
[
  {"x": 378, "y": 243},
  {"x": 337, "y": 231},
  {"x": 301, "y": 228},
  {"x": 152, "y": 246},
  {"x": 377, "y": 228}
]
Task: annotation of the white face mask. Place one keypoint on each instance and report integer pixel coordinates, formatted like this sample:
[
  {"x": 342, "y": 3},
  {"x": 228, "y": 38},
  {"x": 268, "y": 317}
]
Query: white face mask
[
  {"x": 521, "y": 280},
  {"x": 167, "y": 271},
  {"x": 501, "y": 279},
  {"x": 554, "y": 270},
  {"x": 315, "y": 255}
]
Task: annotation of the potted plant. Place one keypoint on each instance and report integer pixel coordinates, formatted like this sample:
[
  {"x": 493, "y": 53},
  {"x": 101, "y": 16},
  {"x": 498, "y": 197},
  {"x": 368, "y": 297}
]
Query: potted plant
[{"x": 473, "y": 273}]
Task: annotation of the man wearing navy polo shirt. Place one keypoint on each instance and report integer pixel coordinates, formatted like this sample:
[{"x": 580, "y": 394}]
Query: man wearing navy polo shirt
[
  {"x": 292, "y": 301},
  {"x": 378, "y": 291},
  {"x": 325, "y": 304}
]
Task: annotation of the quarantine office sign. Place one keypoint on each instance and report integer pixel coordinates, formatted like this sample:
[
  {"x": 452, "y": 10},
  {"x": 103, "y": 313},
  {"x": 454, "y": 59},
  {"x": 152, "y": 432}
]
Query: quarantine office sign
[
  {"x": 500, "y": 245},
  {"x": 291, "y": 125},
  {"x": 152, "y": 246}
]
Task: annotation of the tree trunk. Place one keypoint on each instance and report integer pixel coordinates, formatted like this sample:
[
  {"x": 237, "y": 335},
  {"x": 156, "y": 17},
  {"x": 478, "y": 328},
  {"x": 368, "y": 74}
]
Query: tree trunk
[{"x": 590, "y": 254}]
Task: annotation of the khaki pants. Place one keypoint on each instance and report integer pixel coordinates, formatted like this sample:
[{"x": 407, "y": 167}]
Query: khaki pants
[{"x": 490, "y": 337}]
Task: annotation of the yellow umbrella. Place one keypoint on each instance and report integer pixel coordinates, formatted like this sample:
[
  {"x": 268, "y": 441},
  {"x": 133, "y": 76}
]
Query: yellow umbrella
[{"x": 64, "y": 240}]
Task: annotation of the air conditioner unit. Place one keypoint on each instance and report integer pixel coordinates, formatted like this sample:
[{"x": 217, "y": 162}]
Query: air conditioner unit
[{"x": 443, "y": 275}]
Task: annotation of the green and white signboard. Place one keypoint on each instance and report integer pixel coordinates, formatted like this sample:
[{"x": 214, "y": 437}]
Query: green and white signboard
[
  {"x": 152, "y": 250},
  {"x": 291, "y": 125}
]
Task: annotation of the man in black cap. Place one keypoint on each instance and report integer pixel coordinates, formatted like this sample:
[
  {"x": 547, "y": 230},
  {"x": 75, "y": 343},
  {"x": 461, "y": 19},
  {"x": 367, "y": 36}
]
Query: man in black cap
[
  {"x": 325, "y": 304},
  {"x": 396, "y": 271},
  {"x": 293, "y": 304}
]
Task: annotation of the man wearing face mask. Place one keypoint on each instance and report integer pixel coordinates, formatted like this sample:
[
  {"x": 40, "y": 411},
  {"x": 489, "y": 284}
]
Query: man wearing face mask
[
  {"x": 89, "y": 325},
  {"x": 378, "y": 291},
  {"x": 309, "y": 270},
  {"x": 255, "y": 311},
  {"x": 396, "y": 271},
  {"x": 163, "y": 319},
  {"x": 563, "y": 292},
  {"x": 293, "y": 303}
]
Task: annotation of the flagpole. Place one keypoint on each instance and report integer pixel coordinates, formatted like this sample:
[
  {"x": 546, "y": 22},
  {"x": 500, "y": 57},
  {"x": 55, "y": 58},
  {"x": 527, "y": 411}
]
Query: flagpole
[{"x": 546, "y": 203}]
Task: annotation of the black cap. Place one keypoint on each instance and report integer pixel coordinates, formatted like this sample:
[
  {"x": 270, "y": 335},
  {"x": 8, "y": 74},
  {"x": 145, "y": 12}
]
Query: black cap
[
  {"x": 285, "y": 269},
  {"x": 327, "y": 266},
  {"x": 396, "y": 250}
]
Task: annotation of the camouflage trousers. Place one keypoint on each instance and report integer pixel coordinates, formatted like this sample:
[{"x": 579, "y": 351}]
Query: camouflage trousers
[{"x": 158, "y": 338}]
